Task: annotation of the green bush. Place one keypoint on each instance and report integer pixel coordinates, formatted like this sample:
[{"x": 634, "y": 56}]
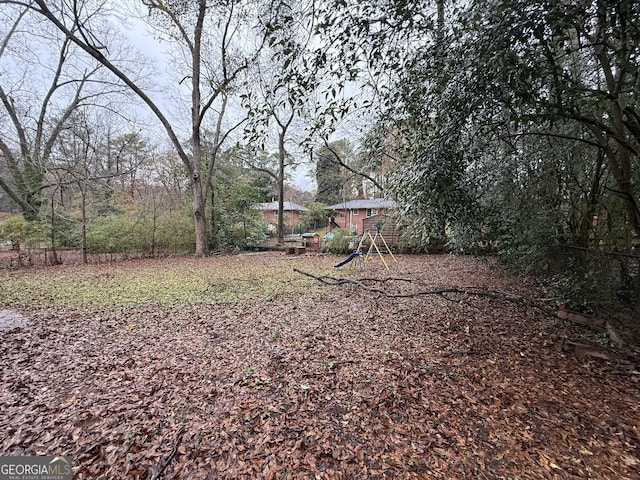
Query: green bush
[
  {"x": 37, "y": 234},
  {"x": 257, "y": 234},
  {"x": 339, "y": 244},
  {"x": 240, "y": 235},
  {"x": 68, "y": 233},
  {"x": 22, "y": 233},
  {"x": 14, "y": 229},
  {"x": 314, "y": 218},
  {"x": 175, "y": 232},
  {"x": 114, "y": 234}
]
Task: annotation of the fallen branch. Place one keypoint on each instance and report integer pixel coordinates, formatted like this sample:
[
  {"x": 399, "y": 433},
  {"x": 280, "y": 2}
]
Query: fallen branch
[
  {"x": 328, "y": 280},
  {"x": 158, "y": 474},
  {"x": 385, "y": 280},
  {"x": 595, "y": 323},
  {"x": 582, "y": 350}
]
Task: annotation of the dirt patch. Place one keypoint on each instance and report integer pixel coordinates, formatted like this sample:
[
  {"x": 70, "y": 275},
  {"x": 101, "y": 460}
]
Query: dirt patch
[
  {"x": 10, "y": 319},
  {"x": 317, "y": 381}
]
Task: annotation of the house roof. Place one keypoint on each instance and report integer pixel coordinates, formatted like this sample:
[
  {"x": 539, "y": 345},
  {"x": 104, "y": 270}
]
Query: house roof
[
  {"x": 356, "y": 204},
  {"x": 287, "y": 207}
]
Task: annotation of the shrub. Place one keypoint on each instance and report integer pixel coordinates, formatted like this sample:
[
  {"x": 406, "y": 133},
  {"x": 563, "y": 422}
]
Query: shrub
[
  {"x": 111, "y": 234},
  {"x": 14, "y": 230},
  {"x": 175, "y": 231},
  {"x": 339, "y": 244}
]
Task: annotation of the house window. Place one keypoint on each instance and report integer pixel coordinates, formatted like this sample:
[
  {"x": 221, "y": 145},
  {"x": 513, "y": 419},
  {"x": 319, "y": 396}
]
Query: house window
[
  {"x": 354, "y": 211},
  {"x": 371, "y": 212}
]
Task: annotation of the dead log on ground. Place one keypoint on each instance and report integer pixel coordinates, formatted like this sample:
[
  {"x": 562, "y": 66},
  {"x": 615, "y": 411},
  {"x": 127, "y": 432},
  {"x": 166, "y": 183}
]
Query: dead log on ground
[
  {"x": 329, "y": 280},
  {"x": 582, "y": 350},
  {"x": 597, "y": 324}
]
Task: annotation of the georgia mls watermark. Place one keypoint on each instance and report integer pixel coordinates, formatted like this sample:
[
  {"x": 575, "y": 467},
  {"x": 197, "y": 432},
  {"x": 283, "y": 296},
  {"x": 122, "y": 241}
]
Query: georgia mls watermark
[{"x": 35, "y": 468}]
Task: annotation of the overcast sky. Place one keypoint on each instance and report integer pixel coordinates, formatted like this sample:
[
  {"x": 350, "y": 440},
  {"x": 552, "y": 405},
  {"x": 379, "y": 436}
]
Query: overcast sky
[{"x": 142, "y": 37}]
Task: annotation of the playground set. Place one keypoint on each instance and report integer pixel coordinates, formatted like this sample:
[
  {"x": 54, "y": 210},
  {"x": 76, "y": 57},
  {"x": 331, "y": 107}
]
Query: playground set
[{"x": 362, "y": 258}]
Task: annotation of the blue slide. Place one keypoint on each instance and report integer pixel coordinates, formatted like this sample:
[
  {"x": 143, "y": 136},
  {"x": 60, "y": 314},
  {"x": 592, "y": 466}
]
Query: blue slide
[{"x": 348, "y": 259}]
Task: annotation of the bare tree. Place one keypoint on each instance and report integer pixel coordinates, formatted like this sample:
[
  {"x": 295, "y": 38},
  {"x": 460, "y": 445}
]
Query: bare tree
[
  {"x": 36, "y": 116},
  {"x": 284, "y": 84},
  {"x": 283, "y": 118},
  {"x": 187, "y": 22},
  {"x": 89, "y": 161}
]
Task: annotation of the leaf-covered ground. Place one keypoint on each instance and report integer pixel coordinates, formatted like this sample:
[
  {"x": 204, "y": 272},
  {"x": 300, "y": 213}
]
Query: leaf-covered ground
[{"x": 238, "y": 367}]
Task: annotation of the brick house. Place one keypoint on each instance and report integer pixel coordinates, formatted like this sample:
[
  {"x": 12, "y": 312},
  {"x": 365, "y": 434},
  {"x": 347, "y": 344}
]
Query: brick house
[
  {"x": 357, "y": 216},
  {"x": 293, "y": 215}
]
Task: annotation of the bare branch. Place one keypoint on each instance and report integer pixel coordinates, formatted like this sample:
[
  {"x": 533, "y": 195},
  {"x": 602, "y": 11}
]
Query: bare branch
[
  {"x": 341, "y": 162},
  {"x": 46, "y": 12},
  {"x": 328, "y": 280},
  {"x": 52, "y": 89},
  {"x": 160, "y": 6},
  {"x": 557, "y": 135},
  {"x": 12, "y": 30},
  {"x": 13, "y": 115}
]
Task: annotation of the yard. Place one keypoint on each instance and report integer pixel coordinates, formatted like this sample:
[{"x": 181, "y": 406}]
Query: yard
[{"x": 241, "y": 367}]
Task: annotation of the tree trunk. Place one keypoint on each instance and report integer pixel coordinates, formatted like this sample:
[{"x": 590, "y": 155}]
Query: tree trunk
[
  {"x": 440, "y": 29},
  {"x": 154, "y": 226},
  {"x": 85, "y": 258},
  {"x": 244, "y": 228},
  {"x": 199, "y": 218},
  {"x": 621, "y": 158},
  {"x": 199, "y": 199},
  {"x": 212, "y": 220},
  {"x": 281, "y": 158},
  {"x": 627, "y": 192},
  {"x": 31, "y": 207},
  {"x": 54, "y": 252},
  {"x": 591, "y": 200}
]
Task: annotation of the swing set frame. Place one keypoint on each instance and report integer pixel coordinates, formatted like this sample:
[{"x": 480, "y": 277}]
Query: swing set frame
[{"x": 374, "y": 245}]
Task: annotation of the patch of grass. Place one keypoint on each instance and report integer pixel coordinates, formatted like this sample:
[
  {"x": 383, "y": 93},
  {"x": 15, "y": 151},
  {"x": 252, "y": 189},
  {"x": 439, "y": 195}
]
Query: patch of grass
[{"x": 183, "y": 281}]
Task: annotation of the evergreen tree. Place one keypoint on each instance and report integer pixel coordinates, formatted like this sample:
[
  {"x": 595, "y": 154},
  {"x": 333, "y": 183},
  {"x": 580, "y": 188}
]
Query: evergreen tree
[{"x": 329, "y": 178}]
